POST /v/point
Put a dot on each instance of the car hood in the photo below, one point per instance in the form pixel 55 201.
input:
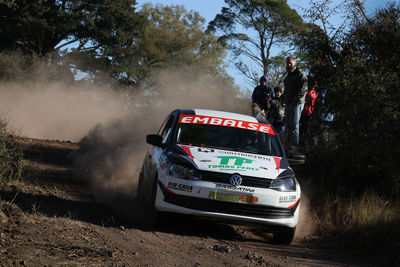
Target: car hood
pixel 225 161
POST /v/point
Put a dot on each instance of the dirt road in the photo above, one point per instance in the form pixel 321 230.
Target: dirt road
pixel 52 219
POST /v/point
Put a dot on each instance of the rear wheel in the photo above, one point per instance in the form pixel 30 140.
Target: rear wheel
pixel 284 235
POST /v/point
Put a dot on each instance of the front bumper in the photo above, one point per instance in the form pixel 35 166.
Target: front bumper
pixel 197 204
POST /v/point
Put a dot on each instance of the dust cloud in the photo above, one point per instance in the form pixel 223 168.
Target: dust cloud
pixel 56 110
pixel 112 153
pixel 111 128
pixel 305 226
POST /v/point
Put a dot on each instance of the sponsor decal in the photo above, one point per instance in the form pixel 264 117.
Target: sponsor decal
pixel 198 191
pixel 180 187
pixel 235 160
pixel 224 187
pixel 245 155
pixel 233 163
pixel 205 160
pixel 284 199
pixel 264 168
pixel 232 197
pixel 232 167
pixel 187 150
pixel 208 120
pixel 277 162
pixel 205 150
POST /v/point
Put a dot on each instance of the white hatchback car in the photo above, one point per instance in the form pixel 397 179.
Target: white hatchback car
pixel 222 165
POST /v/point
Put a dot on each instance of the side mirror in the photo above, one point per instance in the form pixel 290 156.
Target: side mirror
pixel 154 139
pixel 296 158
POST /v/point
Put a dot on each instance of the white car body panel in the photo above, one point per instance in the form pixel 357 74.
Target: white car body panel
pixel 227 162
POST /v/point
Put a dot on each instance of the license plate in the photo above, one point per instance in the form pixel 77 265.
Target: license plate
pixel 232 197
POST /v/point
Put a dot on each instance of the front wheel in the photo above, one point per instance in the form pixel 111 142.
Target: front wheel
pixel 284 235
pixel 140 190
pixel 155 217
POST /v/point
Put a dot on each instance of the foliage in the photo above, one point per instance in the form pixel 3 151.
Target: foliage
pixel 106 51
pixel 173 38
pixel 11 162
pixel 112 44
pixel 16 66
pixel 360 91
pixel 357 125
pixel 45 26
pixel 251 28
pixel 100 31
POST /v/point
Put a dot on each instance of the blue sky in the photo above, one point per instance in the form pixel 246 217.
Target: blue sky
pixel 209 8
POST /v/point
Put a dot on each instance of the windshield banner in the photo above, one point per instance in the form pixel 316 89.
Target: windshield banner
pixel 207 120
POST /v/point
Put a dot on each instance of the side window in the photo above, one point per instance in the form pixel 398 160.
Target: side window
pixel 162 127
pixel 167 129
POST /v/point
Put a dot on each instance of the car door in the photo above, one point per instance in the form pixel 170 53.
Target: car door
pixel 155 157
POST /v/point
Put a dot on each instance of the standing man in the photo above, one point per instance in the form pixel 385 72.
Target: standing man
pixel 293 97
pixel 262 95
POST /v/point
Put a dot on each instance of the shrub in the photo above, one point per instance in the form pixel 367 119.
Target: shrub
pixel 11 161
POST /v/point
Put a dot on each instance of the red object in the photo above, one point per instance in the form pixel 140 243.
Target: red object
pixel 311 98
pixel 291 206
pixel 277 162
pixel 187 150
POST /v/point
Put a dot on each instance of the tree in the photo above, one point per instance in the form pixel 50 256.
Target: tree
pixel 173 38
pixel 46 26
pixel 100 32
pixel 359 81
pixel 271 23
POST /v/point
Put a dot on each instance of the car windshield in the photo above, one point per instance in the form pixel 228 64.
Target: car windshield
pixel 228 138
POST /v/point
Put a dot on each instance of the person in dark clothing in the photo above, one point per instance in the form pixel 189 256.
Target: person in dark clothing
pixel 262 95
pixel 277 113
pixel 293 97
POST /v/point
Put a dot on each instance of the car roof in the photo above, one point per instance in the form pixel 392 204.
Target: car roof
pixel 221 114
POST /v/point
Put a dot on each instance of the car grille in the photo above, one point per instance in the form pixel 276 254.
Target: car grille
pixel 210 205
pixel 225 178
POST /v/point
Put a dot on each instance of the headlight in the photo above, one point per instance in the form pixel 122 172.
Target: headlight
pixel 182 172
pixel 283 184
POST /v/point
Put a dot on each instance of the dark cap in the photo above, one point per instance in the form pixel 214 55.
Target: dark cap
pixel 263 79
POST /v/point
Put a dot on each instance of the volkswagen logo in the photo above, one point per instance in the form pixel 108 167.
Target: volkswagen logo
pixel 236 180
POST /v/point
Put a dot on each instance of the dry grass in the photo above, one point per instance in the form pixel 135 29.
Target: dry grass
pixel 367 209
pixel 11 161
pixel 366 224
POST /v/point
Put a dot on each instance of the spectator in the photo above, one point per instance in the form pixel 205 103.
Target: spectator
pixel 311 98
pixel 262 96
pixel 293 97
pixel 277 112
pixel 257 112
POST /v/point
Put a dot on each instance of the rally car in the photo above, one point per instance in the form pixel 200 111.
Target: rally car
pixel 222 165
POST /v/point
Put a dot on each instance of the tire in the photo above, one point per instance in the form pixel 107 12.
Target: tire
pixel 140 190
pixel 155 216
pixel 284 235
